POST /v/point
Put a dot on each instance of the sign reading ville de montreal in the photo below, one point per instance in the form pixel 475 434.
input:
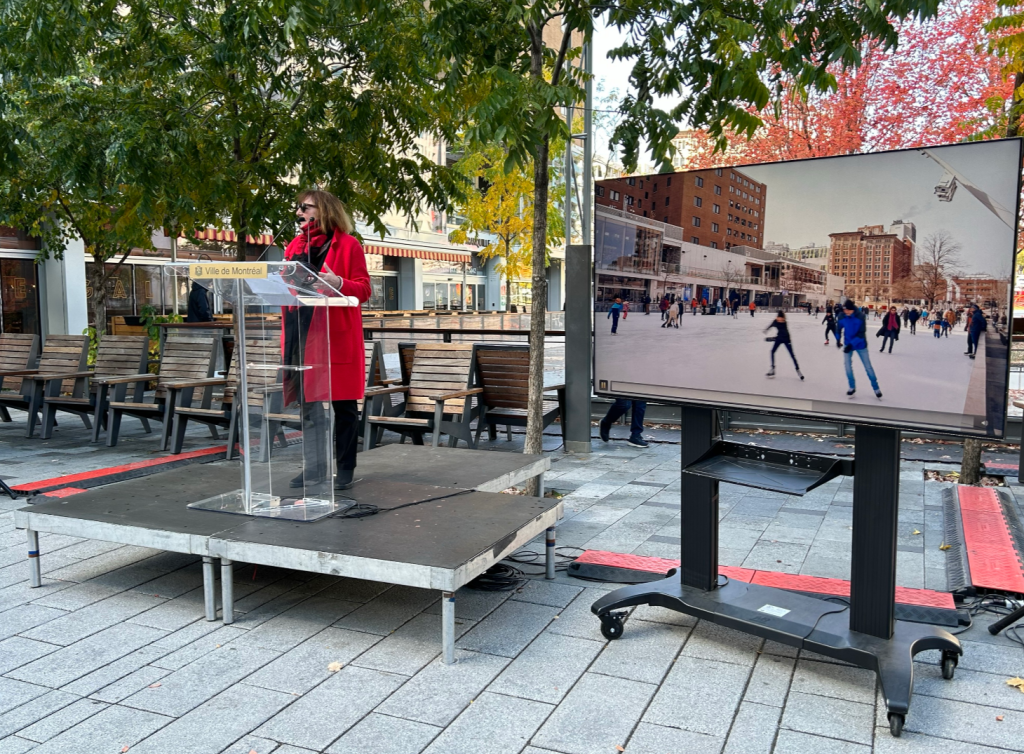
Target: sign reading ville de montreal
pixel 227 270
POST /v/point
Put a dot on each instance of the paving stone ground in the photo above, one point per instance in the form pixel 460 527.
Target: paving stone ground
pixel 113 651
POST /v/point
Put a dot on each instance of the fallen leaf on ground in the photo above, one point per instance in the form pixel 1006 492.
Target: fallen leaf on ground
pixel 1017 683
pixel 155 685
pixel 253 751
pixel 334 667
pixel 915 532
pixel 124 749
pixel 944 546
pixel 618 748
pixel 999 718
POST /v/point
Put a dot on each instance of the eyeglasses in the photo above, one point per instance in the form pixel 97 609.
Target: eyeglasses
pixel 303 207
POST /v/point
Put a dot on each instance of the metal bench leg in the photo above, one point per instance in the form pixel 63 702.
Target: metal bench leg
pixel 549 554
pixel 34 566
pixel 209 588
pixel 448 627
pixel 227 590
pixel 540 484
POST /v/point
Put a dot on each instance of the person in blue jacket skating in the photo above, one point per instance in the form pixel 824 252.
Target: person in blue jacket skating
pixel 854 329
pixel 613 313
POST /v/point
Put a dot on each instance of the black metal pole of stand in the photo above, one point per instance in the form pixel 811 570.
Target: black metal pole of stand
pixel 8 490
pixel 876 488
pixel 1005 621
pixel 699 513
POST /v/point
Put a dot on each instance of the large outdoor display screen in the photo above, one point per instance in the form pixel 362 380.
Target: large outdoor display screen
pixel 873 288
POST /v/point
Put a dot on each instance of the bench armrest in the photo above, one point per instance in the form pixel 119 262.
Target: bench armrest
pixel 458 394
pixel 395 381
pixel 62 376
pixel 133 378
pixel 213 381
pixel 19 373
pixel 550 388
pixel 375 391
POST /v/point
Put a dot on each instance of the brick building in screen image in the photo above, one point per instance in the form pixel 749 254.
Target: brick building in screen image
pixel 872 259
pixel 718 208
pixel 988 292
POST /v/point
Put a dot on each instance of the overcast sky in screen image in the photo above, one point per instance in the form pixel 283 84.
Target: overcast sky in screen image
pixel 808 200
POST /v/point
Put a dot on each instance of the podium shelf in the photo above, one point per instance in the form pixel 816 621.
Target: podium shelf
pixel 791 473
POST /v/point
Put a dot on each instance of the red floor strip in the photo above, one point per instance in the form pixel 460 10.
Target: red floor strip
pixel 792 582
pixel 64 492
pixel 993 560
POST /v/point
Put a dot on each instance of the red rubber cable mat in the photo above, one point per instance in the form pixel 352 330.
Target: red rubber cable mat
pixel 789 581
pixel 991 555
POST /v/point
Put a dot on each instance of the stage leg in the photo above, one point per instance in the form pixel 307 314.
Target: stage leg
pixel 34 566
pixel 209 586
pixel 549 554
pixel 448 627
pixel 227 590
pixel 540 484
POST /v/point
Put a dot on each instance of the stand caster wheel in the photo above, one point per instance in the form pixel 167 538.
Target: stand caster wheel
pixel 949 662
pixel 896 721
pixel 611 626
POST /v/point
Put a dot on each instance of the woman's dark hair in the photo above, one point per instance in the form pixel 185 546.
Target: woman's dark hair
pixel 781 314
pixel 333 215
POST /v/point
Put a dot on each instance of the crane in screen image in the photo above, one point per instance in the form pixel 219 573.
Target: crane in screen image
pixel 946 188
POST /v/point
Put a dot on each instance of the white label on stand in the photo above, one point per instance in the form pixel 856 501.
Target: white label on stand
pixel 778 612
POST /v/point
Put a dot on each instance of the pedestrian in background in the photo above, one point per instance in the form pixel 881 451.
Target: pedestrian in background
pixel 663 306
pixel 854 328
pixel 753 307
pixel 625 310
pixel 890 329
pixel 914 316
pixel 647 304
pixel 636 425
pixel 781 339
pixel 830 324
pixel 613 313
pixel 977 324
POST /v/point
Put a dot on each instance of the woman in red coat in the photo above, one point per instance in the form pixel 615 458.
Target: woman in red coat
pixel 326 246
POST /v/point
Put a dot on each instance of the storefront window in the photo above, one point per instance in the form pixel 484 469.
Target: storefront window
pixel 429 302
pixel 456 297
pixel 120 291
pixel 19 296
pixel 378 262
pixel 376 302
pixel 442 296
pixel 149 287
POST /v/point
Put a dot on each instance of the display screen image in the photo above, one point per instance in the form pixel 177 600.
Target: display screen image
pixel 875 288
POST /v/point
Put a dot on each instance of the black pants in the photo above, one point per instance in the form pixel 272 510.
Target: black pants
pixel 346 433
pixel 788 348
pixel 891 340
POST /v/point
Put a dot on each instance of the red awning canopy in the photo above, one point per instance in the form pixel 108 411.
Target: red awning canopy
pixel 397 251
pixel 229 236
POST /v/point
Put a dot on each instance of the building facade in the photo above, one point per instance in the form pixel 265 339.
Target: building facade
pixel 872 259
pixel 718 208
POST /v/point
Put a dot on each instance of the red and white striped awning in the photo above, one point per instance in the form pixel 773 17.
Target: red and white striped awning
pixel 452 255
pixel 229 236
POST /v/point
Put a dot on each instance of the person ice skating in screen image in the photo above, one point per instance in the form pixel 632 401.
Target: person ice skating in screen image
pixel 949 319
pixel 854 329
pixel 976 325
pixel 830 323
pixel 636 425
pixel 752 307
pixel 913 317
pixel 646 301
pixel 693 305
pixel 781 339
pixel 890 329
pixel 613 313
pixel 663 306
pixel 936 324
pixel 672 315
pixel 625 310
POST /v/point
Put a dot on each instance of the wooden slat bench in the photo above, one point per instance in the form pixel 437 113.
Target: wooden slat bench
pixel 62 354
pixel 18 352
pixel 503 372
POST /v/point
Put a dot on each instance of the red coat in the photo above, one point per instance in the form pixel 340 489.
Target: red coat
pixel 345 259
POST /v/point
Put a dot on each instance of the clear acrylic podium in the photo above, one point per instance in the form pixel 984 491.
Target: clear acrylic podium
pixel 280 378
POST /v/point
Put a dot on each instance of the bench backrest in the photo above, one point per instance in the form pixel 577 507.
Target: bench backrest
pixel 262 351
pixel 375 371
pixel 439 368
pixel 503 371
pixel 185 358
pixel 63 354
pixel 122 355
pixel 406 351
pixel 18 351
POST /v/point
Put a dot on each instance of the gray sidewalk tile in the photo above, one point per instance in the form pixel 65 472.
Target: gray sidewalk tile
pixel 577 620
pixel 215 724
pixel 753 730
pixel 644 653
pixel 21 619
pixel 110 730
pixel 509 629
pixel 918 743
pixel 390 610
pixel 18 650
pixel 967 686
pixel 118 669
pixel 713 642
pixel 288 749
pixel 407 650
pixel 62 719
pixel 34 710
pixel 836 681
pixel 659 739
pixel 545 593
pixel 81 658
pixel 492 724
pixel 124 687
pixel 547 669
pixel 16 745
pixel 597 715
pixel 194 631
pixel 72 596
pixel 326 712
pixel 300 669
pixel 291 628
pixel 189 687
pixel 769 683
pixel 175 583
pixel 249 744
pixel 354 590
pixel 793 742
pixel 95 617
pixel 471 604
pixel 972 723
pixel 107 564
pixel 382 734
pixel 990 658
pixel 830 717
pixel 438 693
pixel 207 643
pixel 779 556
pixel 699 695
pixel 662 615
pixel 173 614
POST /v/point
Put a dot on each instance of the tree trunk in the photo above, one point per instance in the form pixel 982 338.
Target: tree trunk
pixel 99 297
pixel 1014 116
pixel 508 287
pixel 538 308
pixel 240 246
pixel 970 467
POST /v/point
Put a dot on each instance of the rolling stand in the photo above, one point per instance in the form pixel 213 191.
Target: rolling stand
pixel 865 633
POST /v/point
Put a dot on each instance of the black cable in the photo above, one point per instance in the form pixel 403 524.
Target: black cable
pixel 498 578
pixel 530 557
pixel 362 510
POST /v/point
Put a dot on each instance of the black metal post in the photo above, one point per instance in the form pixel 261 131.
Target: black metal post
pixel 578 344
pixel 876 489
pixel 699 502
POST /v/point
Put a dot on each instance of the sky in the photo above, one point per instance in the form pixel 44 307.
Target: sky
pixel 807 200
